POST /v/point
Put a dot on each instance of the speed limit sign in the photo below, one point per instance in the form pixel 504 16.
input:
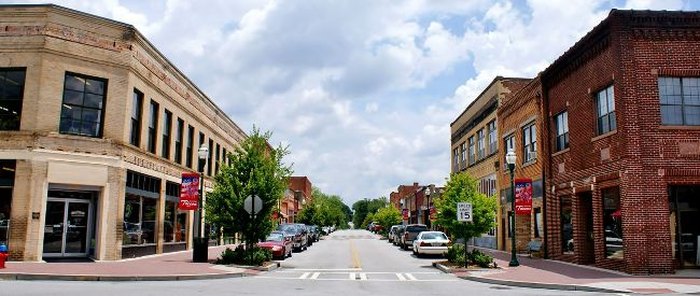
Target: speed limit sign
pixel 464 212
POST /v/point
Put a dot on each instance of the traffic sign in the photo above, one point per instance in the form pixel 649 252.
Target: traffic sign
pixel 252 202
pixel 464 212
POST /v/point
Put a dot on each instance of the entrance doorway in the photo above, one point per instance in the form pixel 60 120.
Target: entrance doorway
pixel 684 203
pixel 585 219
pixel 68 228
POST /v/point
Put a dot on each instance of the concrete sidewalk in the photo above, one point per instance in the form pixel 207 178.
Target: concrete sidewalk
pixel 552 274
pixel 163 267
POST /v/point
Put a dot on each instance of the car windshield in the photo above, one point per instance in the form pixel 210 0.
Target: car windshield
pixel 416 228
pixel 275 237
pixel 434 235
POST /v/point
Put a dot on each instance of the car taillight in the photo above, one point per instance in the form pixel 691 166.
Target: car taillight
pixel 424 244
pixel 405 235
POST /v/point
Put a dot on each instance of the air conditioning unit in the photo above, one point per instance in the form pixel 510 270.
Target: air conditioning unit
pixel 532 155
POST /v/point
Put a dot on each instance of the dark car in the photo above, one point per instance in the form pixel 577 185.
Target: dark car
pixel 298 233
pixel 279 244
pixel 410 234
pixel 314 233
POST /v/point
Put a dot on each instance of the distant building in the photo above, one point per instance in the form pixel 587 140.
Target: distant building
pixel 297 195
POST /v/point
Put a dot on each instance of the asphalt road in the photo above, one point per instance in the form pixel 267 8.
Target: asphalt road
pixel 349 262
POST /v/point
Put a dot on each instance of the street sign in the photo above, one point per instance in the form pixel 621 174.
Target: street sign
pixel 250 201
pixel 464 212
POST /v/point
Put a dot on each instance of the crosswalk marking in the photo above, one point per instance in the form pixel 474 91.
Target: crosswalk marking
pixel 315 276
pixel 351 276
pixel 401 277
pixel 411 277
pixel 371 276
pixel 304 275
pixel 363 276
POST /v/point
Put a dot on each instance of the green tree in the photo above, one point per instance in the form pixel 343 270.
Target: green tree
pixel 463 188
pixel 324 210
pixel 387 217
pixel 256 169
pixel 368 219
pixel 365 207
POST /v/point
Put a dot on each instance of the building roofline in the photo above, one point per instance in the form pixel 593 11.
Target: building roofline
pixel 495 79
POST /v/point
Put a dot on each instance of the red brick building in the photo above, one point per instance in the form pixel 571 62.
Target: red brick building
pixel 623 180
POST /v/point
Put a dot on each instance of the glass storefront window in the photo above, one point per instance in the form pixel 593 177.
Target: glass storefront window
pixel 612 223
pixel 567 227
pixel 132 220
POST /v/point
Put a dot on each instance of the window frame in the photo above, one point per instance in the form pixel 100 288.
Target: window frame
pixel 471 156
pixel 65 105
pixel 683 96
pixel 153 112
pixel 188 147
pixel 493 137
pixel 480 144
pixel 19 100
pixel 167 132
pixel 136 123
pixel 529 140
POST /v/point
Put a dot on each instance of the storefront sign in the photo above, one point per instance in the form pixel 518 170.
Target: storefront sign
pixel 523 196
pixel 189 192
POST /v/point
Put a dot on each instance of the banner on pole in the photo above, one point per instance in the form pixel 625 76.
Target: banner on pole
pixel 523 196
pixel 405 214
pixel 189 192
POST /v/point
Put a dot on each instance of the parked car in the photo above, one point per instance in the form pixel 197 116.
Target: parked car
pixel 430 243
pixel 298 233
pixel 412 230
pixel 279 244
pixel 391 236
pixel 314 233
pixel 399 235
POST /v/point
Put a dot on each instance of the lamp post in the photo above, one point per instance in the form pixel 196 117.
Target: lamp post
pixel 200 252
pixel 510 160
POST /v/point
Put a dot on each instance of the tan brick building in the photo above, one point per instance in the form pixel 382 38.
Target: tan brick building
pixel 520 125
pixel 475 140
pixel 96 127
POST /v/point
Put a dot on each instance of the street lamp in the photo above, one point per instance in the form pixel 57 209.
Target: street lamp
pixel 427 216
pixel 200 252
pixel 510 160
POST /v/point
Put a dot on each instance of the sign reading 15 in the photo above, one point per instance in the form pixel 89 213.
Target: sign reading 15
pixel 464 212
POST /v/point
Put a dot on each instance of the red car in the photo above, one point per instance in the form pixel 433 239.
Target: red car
pixel 278 244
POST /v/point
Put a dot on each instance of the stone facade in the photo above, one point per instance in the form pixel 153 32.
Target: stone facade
pixel 50 42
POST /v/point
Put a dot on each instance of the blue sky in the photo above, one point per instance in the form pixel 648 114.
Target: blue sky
pixel 362 91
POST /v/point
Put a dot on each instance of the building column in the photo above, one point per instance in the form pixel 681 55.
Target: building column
pixel 29 196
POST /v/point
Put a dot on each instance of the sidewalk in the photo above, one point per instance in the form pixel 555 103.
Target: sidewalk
pixel 552 274
pixel 163 267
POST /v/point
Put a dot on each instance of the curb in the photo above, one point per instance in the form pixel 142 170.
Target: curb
pixel 116 278
pixel 550 286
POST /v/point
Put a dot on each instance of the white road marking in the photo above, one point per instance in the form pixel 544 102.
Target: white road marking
pixel 411 277
pixel 400 276
pixel 317 269
pixel 363 276
pixel 351 276
pixel 304 276
pixel 315 276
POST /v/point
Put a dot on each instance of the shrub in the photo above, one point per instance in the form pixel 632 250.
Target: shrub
pixel 480 259
pixel 255 256
pixel 455 255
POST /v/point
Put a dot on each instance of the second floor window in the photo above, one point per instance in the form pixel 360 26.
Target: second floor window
pixel 188 150
pixel 464 154
pixel 179 134
pixel 455 159
pixel 152 126
pixel 472 150
pixel 508 144
pixel 562 122
pixel 82 110
pixel 529 143
pixel 680 100
pixel 136 115
pixel 481 144
pixel 493 137
pixel 167 125
pixel 11 96
pixel 605 103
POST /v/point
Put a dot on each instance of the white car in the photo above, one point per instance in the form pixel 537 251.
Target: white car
pixel 431 243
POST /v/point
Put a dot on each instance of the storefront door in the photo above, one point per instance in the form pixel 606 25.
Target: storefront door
pixel 67 228
pixel 685 225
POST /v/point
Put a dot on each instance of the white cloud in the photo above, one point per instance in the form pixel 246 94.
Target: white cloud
pixel 350 84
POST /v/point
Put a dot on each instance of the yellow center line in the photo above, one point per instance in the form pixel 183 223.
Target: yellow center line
pixel 355 255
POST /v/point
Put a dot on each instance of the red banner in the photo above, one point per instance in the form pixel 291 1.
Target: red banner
pixel 189 192
pixel 523 196
pixel 433 214
pixel 405 214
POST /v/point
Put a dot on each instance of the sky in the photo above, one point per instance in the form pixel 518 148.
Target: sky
pixel 362 91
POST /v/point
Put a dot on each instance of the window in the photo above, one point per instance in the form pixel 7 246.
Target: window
pixel 217 158
pixel 211 157
pixel 680 100
pixel 136 115
pixel 612 223
pixel 83 105
pixel 455 159
pixel 11 96
pixel 567 226
pixel 493 137
pixel 167 125
pixel 509 144
pixel 605 101
pixel 529 143
pixel 481 144
pixel 200 162
pixel 140 209
pixel 174 219
pixel 223 156
pixel 464 154
pixel 562 121
pixel 472 151
pixel 179 131
pixel 188 150
pixel 152 126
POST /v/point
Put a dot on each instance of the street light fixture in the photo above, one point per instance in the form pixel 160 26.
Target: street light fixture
pixel 510 160
pixel 200 252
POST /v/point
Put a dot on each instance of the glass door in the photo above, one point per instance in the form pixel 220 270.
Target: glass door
pixel 67 227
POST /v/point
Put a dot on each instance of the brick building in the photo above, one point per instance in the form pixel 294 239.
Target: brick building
pixel 474 141
pixel 96 127
pixel 624 140
pixel 405 198
pixel 297 195
pixel 520 123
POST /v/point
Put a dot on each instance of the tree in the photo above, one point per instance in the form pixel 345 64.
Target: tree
pixel 387 217
pixel 365 207
pixel 463 188
pixel 256 169
pixel 324 210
